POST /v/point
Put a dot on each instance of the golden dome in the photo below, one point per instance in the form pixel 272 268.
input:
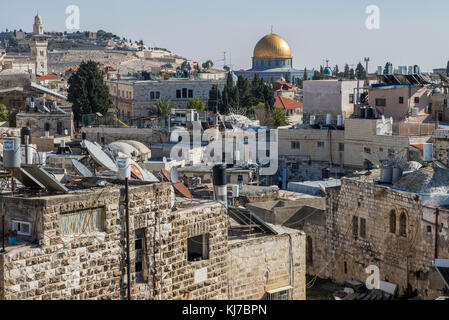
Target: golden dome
pixel 272 46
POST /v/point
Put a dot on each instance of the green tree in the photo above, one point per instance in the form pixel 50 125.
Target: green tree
pixel 360 71
pixel 12 117
pixel 196 104
pixel 214 98
pixel 351 74
pixel 208 64
pixel 4 113
pixel 161 109
pixel 336 70
pixel 279 117
pixel 87 91
pixel 231 98
pixel 244 88
pixel 346 71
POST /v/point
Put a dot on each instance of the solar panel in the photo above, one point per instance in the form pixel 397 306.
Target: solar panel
pixel 246 217
pixel 45 178
pixel 442 266
pixel 81 169
pixel 99 156
pixel 26 179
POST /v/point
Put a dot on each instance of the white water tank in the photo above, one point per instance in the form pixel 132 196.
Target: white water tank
pixel 312 120
pixel 340 120
pixel 124 167
pixel 11 153
pixel 428 151
pixel 329 118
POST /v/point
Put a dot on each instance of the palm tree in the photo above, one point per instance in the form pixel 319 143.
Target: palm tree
pixel 279 117
pixel 161 109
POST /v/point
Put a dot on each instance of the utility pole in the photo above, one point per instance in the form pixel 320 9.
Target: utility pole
pixel 128 264
pixel 366 72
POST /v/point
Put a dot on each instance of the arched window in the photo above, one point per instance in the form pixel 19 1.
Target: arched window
pixel 393 221
pixel 309 249
pixel 403 225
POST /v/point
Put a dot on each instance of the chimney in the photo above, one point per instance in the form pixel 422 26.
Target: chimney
pixel 119 76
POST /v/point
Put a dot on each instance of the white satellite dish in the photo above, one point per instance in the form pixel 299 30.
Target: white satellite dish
pixel 164 160
pixel 174 175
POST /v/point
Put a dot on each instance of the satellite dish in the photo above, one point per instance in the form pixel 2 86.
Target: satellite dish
pixel 164 160
pixel 99 156
pixel 81 169
pixel 174 175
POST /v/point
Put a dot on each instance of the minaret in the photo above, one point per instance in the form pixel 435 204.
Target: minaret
pixel 38 27
pixel 38 46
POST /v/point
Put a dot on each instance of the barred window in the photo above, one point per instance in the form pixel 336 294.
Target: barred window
pixel 362 228
pixel 82 221
pixel 355 226
pixel 393 221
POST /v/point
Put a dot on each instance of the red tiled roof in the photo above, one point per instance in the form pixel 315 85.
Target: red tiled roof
pixel 49 77
pixel 73 69
pixel 286 103
pixel 284 83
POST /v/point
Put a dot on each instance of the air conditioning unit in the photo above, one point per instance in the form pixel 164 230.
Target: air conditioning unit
pixel 283 293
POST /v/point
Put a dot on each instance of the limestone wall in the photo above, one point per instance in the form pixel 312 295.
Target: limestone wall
pixel 258 265
pixel 92 266
pixel 400 259
pixel 147 136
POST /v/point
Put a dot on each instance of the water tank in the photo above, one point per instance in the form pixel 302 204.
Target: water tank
pixel 312 120
pixel 25 131
pixel 329 119
pixel 124 167
pixel 386 174
pixel 11 153
pixel 397 174
pixel 369 113
pixel 325 173
pixel 339 120
pixel 428 152
pixel 361 113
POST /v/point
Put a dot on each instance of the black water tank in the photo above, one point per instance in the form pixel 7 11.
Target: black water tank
pixel 325 173
pixel 361 113
pixel 47 126
pixel 369 113
pixel 219 175
pixel 25 131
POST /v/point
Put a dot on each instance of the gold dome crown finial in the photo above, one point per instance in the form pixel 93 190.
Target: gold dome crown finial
pixel 272 29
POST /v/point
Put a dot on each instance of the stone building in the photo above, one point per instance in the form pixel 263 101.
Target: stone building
pixel 440 140
pixel 399 101
pixel 134 98
pixel 72 246
pixel 438 104
pixel 322 97
pixel 306 150
pixel 61 124
pixel 389 226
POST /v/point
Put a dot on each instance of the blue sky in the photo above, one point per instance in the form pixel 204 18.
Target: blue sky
pixel 411 31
